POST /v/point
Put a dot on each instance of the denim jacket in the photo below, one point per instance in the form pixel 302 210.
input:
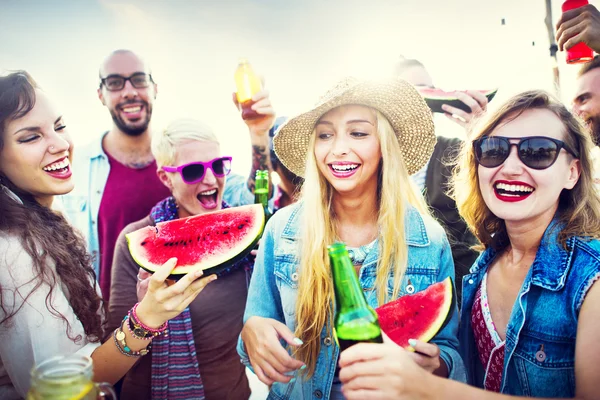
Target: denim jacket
pixel 539 358
pixel 90 173
pixel 273 291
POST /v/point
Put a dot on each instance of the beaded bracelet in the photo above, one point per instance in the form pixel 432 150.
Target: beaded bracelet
pixel 143 330
pixel 119 337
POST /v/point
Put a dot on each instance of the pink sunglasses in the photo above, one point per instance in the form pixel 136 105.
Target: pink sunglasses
pixel 194 172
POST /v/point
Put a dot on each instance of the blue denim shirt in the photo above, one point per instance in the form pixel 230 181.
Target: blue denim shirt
pixel 90 173
pixel 273 291
pixel 539 359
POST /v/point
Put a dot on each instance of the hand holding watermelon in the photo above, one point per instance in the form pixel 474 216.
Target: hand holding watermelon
pixel 163 302
pixel 476 104
pixel 427 355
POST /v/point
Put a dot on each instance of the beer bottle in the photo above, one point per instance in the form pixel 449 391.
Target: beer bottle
pixel 261 191
pixel 247 84
pixel 354 321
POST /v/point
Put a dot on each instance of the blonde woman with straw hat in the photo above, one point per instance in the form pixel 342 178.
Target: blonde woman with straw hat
pixel 355 150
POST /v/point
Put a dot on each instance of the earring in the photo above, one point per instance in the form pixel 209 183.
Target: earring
pixel 11 195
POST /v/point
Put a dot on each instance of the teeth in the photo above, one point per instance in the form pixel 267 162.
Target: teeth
pixel 132 109
pixel 344 167
pixel 514 188
pixel 208 192
pixel 59 165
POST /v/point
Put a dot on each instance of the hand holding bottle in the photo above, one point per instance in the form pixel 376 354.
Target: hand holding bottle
pixel 265 113
pixel 270 361
pixel 579 25
pixel 163 302
pixel 383 371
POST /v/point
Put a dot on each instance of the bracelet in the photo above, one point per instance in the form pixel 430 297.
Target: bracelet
pixel 135 332
pixel 144 330
pixel 119 337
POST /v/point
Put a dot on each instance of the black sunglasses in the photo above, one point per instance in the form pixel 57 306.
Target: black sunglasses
pixel 139 80
pixel 536 152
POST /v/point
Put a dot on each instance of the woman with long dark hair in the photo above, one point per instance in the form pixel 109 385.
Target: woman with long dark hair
pixel 49 303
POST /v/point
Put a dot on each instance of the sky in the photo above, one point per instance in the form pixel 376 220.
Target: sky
pixel 300 47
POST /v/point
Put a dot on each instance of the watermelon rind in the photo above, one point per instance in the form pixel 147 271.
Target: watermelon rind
pixel 214 264
pixel 388 319
pixel 435 98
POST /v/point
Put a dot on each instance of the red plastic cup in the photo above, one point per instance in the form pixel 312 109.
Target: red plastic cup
pixel 580 53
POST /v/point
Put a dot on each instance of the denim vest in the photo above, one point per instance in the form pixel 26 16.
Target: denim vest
pixel 274 284
pixel 539 358
pixel 90 173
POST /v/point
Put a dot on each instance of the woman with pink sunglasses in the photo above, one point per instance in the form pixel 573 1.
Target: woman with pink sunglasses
pixel 198 360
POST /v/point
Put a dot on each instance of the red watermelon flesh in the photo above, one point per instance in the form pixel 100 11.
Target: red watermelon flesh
pixel 418 316
pixel 210 242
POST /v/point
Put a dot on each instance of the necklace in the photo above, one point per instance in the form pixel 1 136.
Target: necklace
pixel 359 254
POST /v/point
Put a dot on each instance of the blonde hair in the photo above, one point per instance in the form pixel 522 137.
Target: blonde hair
pixel 314 306
pixel 178 132
pixel 579 208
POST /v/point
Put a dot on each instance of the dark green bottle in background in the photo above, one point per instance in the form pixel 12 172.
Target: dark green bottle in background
pixel 261 191
pixel 354 321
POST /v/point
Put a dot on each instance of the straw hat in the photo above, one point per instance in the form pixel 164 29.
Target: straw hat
pixel 396 99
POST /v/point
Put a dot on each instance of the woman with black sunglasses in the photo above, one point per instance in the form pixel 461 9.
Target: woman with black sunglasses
pixel 198 360
pixel 529 321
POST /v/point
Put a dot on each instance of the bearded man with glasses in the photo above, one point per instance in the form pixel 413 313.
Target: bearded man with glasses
pixel 116 180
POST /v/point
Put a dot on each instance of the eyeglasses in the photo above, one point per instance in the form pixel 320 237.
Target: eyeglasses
pixel 536 152
pixel 139 80
pixel 194 172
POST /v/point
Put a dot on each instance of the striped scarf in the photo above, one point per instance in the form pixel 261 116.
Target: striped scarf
pixel 175 373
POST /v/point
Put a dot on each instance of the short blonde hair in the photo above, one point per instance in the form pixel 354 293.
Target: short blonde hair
pixel 177 132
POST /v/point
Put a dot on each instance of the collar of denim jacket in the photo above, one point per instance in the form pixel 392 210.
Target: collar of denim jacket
pixel 552 262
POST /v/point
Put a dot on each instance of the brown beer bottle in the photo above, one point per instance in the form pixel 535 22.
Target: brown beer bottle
pixel 247 84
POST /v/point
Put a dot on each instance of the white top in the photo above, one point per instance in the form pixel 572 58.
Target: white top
pixel 33 334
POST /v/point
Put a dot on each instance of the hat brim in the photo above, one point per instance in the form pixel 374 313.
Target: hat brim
pixel 397 100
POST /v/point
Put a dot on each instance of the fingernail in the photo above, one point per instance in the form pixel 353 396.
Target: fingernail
pixel 303 367
pixel 292 380
pixel 298 341
pixel 412 342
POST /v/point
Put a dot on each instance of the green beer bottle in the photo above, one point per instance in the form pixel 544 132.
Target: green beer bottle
pixel 261 191
pixel 354 321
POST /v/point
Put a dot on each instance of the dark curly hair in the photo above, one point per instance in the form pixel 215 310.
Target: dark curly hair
pixel 37 227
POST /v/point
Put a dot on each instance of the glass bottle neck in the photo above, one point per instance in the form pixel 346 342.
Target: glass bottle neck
pixel 348 292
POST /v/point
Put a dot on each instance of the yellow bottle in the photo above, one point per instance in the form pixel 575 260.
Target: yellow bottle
pixel 247 84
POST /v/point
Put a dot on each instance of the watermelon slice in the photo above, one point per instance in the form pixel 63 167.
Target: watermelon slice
pixel 211 242
pixel 436 97
pixel 418 316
